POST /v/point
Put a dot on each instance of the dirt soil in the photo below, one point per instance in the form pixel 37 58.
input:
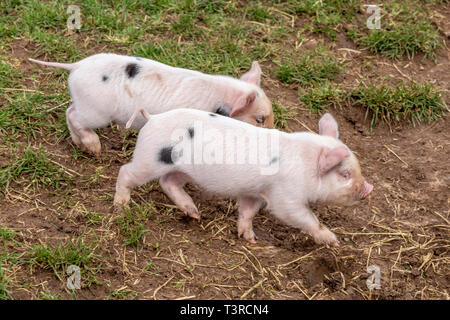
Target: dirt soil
pixel 403 227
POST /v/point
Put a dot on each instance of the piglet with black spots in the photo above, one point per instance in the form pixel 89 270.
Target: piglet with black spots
pixel 257 166
pixel 108 88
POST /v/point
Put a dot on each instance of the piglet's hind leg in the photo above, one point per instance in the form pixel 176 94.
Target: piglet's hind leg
pixel 172 184
pixel 73 132
pixel 83 137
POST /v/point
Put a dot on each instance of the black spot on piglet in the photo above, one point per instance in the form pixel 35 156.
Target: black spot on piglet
pixel 104 78
pixel 132 69
pixel 212 115
pixel 223 109
pixel 165 155
pixel 274 159
pixel 191 132
pixel 168 155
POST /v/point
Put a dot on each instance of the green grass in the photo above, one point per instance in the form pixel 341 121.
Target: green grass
pixel 327 16
pixel 7 234
pixel 122 294
pixel 9 77
pixel 59 257
pixel 312 67
pixel 32 167
pixel 47 295
pixel 258 12
pixel 94 218
pixel 281 114
pixel 131 223
pixel 406 30
pixel 417 102
pixel 152 268
pixel 224 55
pixel 4 293
pixel 321 97
pixel 28 113
pixel 406 39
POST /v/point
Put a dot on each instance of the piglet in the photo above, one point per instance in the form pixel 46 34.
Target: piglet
pixel 258 166
pixel 107 87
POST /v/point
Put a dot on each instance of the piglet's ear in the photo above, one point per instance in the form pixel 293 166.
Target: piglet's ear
pixel 329 158
pixel 243 103
pixel 328 126
pixel 253 75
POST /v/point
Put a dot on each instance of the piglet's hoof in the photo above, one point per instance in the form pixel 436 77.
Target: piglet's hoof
pixel 96 153
pixel 192 212
pixel 327 237
pixel 120 205
pixel 93 151
pixel 335 244
pixel 248 235
pixel 119 208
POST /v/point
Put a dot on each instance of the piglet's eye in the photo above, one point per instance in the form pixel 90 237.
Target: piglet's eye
pixel 345 174
pixel 261 120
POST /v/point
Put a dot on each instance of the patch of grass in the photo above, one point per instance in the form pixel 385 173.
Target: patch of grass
pixel 58 125
pixel 227 54
pixel 7 234
pixel 131 223
pixel 406 29
pixel 11 257
pixel 327 15
pixel 28 113
pixel 47 295
pixel 7 27
pixel 258 12
pixel 312 67
pixel 152 268
pixel 94 179
pixel 185 25
pixel 416 102
pixel 58 46
pixel 9 77
pixel 59 257
pixel 406 39
pixel 35 168
pixel 94 218
pixel 4 293
pixel 129 142
pixel 319 98
pixel 122 294
pixel 282 114
pixel 39 15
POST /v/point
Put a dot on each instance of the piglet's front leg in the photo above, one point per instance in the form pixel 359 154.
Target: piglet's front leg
pixel 308 222
pixel 248 208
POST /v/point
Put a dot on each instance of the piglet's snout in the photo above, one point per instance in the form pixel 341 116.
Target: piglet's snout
pixel 367 190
